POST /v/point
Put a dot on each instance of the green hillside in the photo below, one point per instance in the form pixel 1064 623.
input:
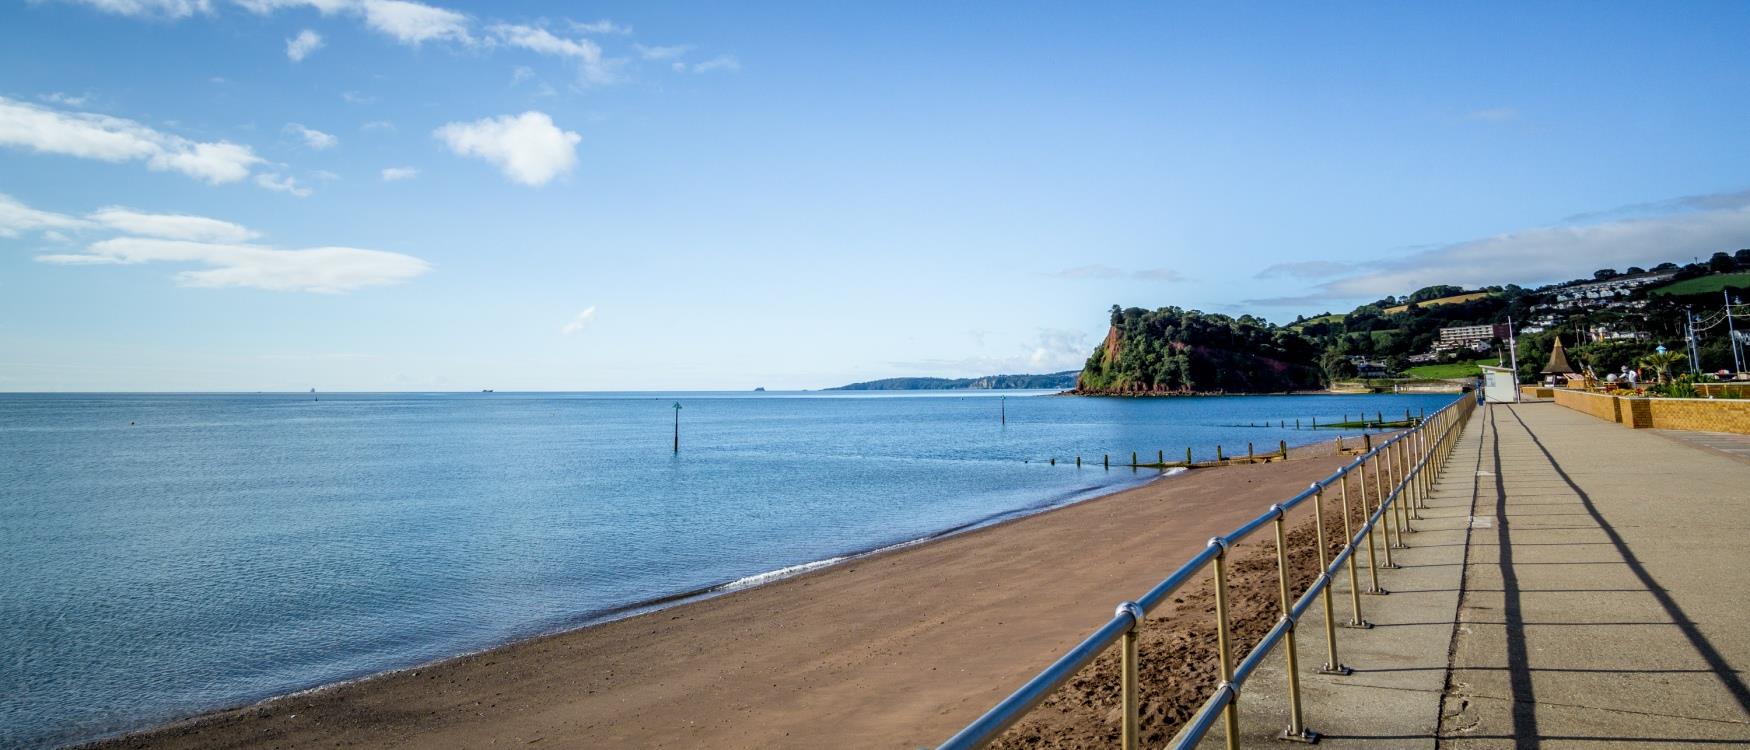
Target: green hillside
pixel 1707 284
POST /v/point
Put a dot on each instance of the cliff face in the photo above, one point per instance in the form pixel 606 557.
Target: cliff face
pixel 1171 350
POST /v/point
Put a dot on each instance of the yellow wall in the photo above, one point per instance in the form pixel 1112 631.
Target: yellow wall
pixel 1701 414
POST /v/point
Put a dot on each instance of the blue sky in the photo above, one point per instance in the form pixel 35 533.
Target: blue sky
pixel 388 195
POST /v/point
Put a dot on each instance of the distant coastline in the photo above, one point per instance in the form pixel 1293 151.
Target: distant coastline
pixel 1053 381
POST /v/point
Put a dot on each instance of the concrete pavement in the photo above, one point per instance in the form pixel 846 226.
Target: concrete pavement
pixel 1571 584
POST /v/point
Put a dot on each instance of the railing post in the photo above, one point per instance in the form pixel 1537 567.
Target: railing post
pixel 1379 507
pixel 1132 688
pixel 1332 666
pixel 1372 560
pixel 1402 487
pixel 1296 730
pixel 1356 620
pixel 1231 713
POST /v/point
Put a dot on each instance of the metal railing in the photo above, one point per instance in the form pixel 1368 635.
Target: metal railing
pixel 1409 462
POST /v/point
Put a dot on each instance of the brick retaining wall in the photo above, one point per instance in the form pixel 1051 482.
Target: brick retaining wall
pixel 1701 414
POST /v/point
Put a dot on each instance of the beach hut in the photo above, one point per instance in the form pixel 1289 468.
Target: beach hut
pixel 1557 372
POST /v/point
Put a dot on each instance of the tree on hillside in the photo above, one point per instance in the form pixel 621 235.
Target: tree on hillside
pixel 1632 270
pixel 1743 257
pixel 1666 266
pixel 1603 274
pixel 1336 366
pixel 1721 263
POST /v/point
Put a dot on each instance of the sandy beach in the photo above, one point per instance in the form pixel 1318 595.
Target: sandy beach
pixel 898 649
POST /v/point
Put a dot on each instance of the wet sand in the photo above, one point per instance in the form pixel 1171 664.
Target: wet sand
pixel 899 649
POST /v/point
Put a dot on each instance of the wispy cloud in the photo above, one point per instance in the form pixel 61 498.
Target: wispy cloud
pixel 662 53
pixel 324 269
pixel 160 9
pixel 378 126
pixel 1306 269
pixel 593 67
pixel 171 226
pixel 528 148
pixel 1097 271
pixel 282 184
pixel 578 322
pixel 720 62
pixel 221 245
pixel 396 174
pixel 1691 226
pixel 66 100
pixel 354 97
pixel 315 139
pixel 114 139
pixel 17 218
pixel 300 46
pixel 604 26
pixel 1050 350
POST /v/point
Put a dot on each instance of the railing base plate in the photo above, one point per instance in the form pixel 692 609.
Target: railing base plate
pixel 1339 670
pixel 1362 625
pixel 1306 736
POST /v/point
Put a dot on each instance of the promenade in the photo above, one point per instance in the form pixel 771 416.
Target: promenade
pixel 1572 584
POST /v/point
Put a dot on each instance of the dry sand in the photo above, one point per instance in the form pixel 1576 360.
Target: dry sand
pixel 895 650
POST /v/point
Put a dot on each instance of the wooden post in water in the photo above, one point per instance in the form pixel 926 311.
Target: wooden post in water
pixel 1054 460
pixel 1378 418
pixel 1003 408
pixel 1218 453
pixel 1161 456
pixel 1078 462
pixel 1105 460
pixel 1366 442
pixel 677 426
pixel 1297 423
pixel 1248 452
pixel 1133 459
pixel 1187 455
pixel 1315 423
pixel 1284 449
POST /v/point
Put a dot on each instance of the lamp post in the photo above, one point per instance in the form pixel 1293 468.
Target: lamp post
pixel 677 426
pixel 1732 334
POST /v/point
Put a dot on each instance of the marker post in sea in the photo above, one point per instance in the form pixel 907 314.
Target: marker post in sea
pixel 677 426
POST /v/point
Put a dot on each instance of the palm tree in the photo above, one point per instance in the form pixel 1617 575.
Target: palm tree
pixel 1662 362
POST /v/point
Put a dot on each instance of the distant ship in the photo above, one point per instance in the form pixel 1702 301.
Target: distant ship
pixel 485 390
pixel 760 389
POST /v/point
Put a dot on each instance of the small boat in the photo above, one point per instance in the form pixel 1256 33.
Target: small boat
pixel 485 390
pixel 761 389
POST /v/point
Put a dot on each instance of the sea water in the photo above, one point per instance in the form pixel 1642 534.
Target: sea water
pixel 161 555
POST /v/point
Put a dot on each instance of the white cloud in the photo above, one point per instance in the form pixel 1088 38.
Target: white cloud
pixel 113 139
pixel 1050 350
pixel 354 97
pixel 321 269
pixel 416 23
pixel 315 139
pixel 395 174
pixel 661 53
pixel 378 125
pixel 171 226
pixel 593 67
pixel 285 184
pixel 300 46
pixel 171 9
pixel 603 26
pixel 324 174
pixel 528 147
pixel 17 218
pixel 720 62
pixel 578 323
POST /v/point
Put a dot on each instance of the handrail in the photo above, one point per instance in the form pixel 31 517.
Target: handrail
pixel 1426 446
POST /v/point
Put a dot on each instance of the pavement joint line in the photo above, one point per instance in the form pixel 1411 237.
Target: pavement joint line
pixel 1612 709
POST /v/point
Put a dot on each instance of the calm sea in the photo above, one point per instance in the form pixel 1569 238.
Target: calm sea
pixel 161 555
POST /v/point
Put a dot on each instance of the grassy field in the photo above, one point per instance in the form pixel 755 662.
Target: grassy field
pixel 1441 301
pixel 1707 284
pixel 1333 318
pixel 1454 370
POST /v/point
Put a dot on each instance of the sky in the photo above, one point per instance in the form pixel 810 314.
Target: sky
pixel 244 195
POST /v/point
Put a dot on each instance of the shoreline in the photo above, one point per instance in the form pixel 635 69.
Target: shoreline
pixel 665 602
pixel 359 709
